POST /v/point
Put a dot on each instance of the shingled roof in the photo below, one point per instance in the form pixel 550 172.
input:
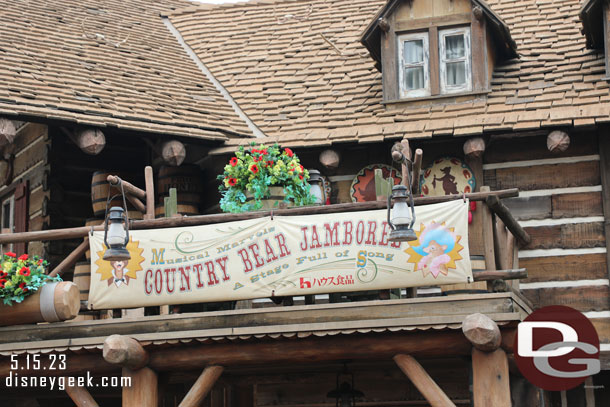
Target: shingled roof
pixel 299 71
pixel 107 63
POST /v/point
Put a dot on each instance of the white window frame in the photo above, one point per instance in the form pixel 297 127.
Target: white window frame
pixel 466 87
pixel 425 91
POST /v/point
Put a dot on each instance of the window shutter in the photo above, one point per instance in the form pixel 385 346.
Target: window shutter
pixel 21 214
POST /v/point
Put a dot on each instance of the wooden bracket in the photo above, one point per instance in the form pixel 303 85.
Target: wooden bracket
pixel 80 396
pixel 422 380
pixel 202 386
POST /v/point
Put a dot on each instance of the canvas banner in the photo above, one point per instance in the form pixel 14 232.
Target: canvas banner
pixel 282 256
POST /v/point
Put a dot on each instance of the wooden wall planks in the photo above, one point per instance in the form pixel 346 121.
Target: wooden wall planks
pixel 565 268
pixel 567 236
pixel 587 298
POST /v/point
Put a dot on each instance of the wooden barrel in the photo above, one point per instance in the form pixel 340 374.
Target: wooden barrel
pixel 189 188
pixel 99 192
pixel 53 302
pixel 82 278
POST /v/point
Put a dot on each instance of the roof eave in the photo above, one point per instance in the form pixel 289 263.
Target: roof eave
pixel 592 23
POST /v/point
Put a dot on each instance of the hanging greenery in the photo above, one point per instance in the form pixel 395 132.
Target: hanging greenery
pixel 254 170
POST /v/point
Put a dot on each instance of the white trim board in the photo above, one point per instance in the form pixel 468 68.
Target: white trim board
pixel 604 347
pixel 560 221
pixel 545 161
pixel 597 314
pixel 525 254
pixel 564 284
pixel 557 191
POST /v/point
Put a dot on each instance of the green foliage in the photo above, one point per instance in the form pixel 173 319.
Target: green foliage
pixel 254 170
pixel 22 276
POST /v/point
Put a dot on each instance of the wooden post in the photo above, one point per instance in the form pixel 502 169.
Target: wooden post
pixel 424 383
pixel 494 204
pixel 72 258
pixel 488 236
pixel 150 193
pixel 202 386
pixel 490 379
pixel 80 396
pixel 604 163
pixel 173 152
pixel 417 160
pixel 143 391
pixel 482 332
pixel 125 351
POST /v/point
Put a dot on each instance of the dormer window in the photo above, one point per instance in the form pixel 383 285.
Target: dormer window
pixel 437 49
pixel 414 73
pixel 455 72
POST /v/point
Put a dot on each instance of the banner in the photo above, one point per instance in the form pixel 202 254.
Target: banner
pixel 282 256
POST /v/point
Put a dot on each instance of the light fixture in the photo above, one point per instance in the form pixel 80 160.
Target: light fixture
pixel 317 186
pixel 345 394
pixel 401 216
pixel 116 235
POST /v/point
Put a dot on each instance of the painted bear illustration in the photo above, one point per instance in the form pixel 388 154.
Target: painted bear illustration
pixel 436 241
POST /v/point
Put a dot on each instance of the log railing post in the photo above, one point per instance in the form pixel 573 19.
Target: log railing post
pixel 488 238
pixel 422 380
pixel 202 386
pixel 150 193
pixel 80 396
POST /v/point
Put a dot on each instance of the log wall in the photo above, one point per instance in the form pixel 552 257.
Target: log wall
pixel 561 207
pixel 31 164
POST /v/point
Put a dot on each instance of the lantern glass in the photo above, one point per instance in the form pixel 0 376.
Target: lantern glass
pixel 316 191
pixel 316 186
pixel 116 234
pixel 401 213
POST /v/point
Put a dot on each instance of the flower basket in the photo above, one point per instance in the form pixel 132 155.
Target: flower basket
pixel 22 276
pixel 264 178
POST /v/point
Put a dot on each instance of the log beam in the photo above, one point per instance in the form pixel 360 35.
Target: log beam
pixel 422 380
pixel 489 275
pixel 143 391
pixel 80 396
pixel 482 332
pixel 82 231
pixel 202 386
pixel 127 186
pixel 8 131
pixel 494 203
pixel 474 147
pixel 558 141
pixel 125 351
pixel 173 152
pixel 330 159
pixel 490 379
pixel 72 258
pixel 417 160
pixel 91 141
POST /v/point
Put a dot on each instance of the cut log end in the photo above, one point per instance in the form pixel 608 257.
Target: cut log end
pixel 482 332
pixel 125 351
pixel 558 141
pixel 8 131
pixel 67 301
pixel 173 152
pixel 90 141
pixel 474 147
pixel 330 159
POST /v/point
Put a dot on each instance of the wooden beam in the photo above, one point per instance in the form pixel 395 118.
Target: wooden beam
pixel 511 223
pixel 125 351
pixel 71 259
pixel 417 160
pixel 80 396
pixel 474 147
pixel 488 237
pixel 127 186
pixel 482 332
pixel 8 132
pixel 604 162
pixel 489 275
pixel 490 379
pixel 422 380
pixel 91 141
pixel 150 193
pixel 202 386
pixel 330 159
pixel 143 391
pixel 558 141
pixel 78 232
pixel 136 203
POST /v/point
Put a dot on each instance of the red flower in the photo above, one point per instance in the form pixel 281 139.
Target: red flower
pixel 233 161
pixel 270 164
pixel 257 159
pixel 40 261
pixel 300 177
pixel 232 182
pixel 10 254
pixel 288 152
pixel 23 257
pixel 301 167
pixel 25 271
pixel 254 168
pixel 2 281
pixel 3 274
pixel 22 286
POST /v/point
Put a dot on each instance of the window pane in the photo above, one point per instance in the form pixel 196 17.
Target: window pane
pixel 454 46
pixel 413 51
pixel 414 78
pixel 456 73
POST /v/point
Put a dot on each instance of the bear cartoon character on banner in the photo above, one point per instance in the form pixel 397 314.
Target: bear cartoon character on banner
pixel 436 250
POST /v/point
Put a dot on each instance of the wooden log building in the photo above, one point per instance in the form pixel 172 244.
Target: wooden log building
pixel 515 89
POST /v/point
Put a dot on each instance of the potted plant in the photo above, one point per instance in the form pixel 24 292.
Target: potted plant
pixel 22 276
pixel 263 178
